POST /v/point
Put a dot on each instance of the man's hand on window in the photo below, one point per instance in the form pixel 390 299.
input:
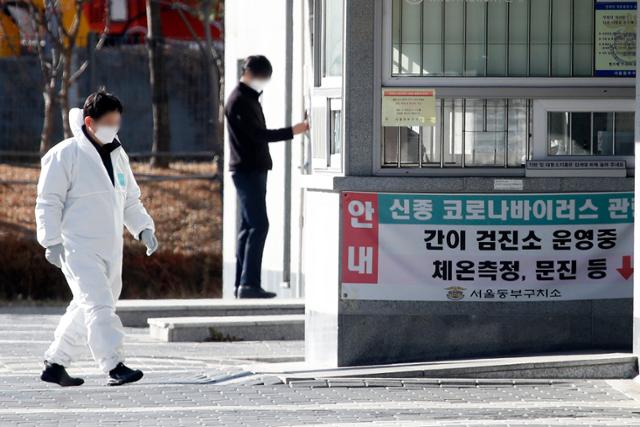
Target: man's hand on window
pixel 301 127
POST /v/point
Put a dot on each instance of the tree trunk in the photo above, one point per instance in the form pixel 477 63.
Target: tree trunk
pixel 63 94
pixel 218 128
pixel 214 77
pixel 48 96
pixel 160 98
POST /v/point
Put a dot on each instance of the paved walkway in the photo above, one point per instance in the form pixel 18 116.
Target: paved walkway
pixel 177 391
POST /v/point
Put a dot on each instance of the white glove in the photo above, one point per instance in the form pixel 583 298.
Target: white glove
pixel 149 240
pixel 55 255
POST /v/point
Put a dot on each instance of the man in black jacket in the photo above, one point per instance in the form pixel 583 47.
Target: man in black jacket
pixel 249 162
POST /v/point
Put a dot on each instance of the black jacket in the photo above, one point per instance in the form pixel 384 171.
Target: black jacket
pixel 248 134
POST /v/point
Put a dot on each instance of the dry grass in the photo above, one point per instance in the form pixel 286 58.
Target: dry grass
pixel 188 217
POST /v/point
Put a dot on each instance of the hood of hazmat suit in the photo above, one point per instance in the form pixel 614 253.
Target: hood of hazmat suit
pixel 79 207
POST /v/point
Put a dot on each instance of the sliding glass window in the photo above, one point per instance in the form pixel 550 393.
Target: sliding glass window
pixel 332 12
pixel 469 133
pixel 492 38
pixel 590 133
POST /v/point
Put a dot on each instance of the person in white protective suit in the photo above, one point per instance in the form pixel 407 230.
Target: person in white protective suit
pixel 86 196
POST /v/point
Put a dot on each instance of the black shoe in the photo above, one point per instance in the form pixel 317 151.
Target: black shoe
pixel 122 375
pixel 54 373
pixel 253 292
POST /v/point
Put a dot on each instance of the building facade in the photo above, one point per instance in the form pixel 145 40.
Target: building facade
pixel 466 187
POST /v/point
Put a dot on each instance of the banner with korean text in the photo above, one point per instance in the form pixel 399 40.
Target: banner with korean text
pixel 487 247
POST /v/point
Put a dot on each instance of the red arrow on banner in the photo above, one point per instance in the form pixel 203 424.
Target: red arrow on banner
pixel 627 269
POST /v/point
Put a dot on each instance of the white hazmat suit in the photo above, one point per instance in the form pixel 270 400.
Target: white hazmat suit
pixel 79 207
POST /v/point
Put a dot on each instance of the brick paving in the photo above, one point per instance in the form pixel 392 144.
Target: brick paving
pixel 177 390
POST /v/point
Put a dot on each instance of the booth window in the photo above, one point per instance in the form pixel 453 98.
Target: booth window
pixel 590 133
pixel 326 100
pixel 335 133
pixel 469 133
pixel 327 134
pixel 543 38
pixel 332 14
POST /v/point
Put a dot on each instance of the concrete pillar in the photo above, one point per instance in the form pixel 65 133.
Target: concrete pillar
pixel 636 231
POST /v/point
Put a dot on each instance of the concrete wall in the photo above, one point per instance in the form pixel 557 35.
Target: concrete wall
pixel 322 261
pixel 636 230
pixel 374 332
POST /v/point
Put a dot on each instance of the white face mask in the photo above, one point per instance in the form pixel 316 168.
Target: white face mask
pixel 107 134
pixel 258 84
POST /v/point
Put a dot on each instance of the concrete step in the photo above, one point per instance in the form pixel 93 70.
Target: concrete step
pixel 592 365
pixel 228 328
pixel 533 370
pixel 135 312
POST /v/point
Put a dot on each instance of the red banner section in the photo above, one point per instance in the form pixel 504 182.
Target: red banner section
pixel 359 238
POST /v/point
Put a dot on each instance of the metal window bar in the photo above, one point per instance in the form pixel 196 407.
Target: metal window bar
pixel 442 133
pixel 528 41
pixel 506 135
pixel 550 50
pixel 464 38
pixel 486 38
pixel 528 131
pixel 464 130
pixel 420 142
pixel 508 40
pixel 422 39
pixel 434 143
pixel 399 137
pixel 484 115
pixel 591 133
pixel 593 34
pixel 400 44
pixel 613 138
pixel 569 122
pixel 442 38
pixel 572 39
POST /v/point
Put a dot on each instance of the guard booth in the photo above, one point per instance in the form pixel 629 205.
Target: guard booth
pixel 467 186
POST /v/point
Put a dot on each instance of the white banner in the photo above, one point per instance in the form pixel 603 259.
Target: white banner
pixel 487 247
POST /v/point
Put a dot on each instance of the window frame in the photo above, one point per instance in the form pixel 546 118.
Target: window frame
pixel 325 93
pixel 440 109
pixel 532 88
pixel 322 80
pixel 388 79
pixel 541 108
pixel 335 160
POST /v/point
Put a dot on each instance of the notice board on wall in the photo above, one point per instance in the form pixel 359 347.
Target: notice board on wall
pixel 615 38
pixel 408 107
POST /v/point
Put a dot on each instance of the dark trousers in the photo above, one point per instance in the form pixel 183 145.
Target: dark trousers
pixel 251 187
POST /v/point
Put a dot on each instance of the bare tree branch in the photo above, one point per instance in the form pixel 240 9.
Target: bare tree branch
pixel 99 44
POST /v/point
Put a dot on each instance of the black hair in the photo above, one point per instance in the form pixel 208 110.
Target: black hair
pixel 100 103
pixel 258 65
